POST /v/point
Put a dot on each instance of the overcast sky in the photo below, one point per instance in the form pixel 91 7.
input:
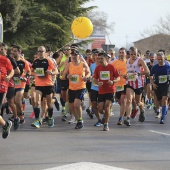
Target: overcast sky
pixel 131 17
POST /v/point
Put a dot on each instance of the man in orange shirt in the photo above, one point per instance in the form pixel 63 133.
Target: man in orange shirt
pixel 77 73
pixel 43 69
pixel 120 65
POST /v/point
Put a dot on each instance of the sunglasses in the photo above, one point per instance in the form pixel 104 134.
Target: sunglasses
pixel 100 58
pixel 74 52
pixel 40 51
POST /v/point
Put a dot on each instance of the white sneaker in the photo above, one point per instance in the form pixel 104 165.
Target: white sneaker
pixel 72 120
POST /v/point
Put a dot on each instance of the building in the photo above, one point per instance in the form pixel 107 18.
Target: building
pixel 154 43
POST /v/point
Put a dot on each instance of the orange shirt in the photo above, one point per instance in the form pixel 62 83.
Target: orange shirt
pixel 122 70
pixel 77 72
pixel 40 67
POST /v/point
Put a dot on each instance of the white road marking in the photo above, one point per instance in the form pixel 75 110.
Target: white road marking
pixel 159 132
pixel 85 166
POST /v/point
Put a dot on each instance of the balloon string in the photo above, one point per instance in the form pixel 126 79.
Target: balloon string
pixel 65 45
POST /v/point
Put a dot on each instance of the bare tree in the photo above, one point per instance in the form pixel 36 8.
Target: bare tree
pixel 162 27
pixel 100 20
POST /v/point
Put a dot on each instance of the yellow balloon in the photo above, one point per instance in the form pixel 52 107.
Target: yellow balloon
pixel 82 27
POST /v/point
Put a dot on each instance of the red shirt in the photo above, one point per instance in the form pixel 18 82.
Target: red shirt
pixel 5 67
pixel 104 74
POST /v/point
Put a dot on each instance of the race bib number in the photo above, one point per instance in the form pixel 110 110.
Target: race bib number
pixel 131 77
pixel 105 75
pixel 40 72
pixel 119 88
pixel 17 81
pixel 162 79
pixel 75 79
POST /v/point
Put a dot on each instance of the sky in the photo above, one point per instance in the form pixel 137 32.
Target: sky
pixel 131 17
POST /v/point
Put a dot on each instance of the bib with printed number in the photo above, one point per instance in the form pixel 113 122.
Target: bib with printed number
pixel 40 72
pixel 105 75
pixel 131 77
pixel 119 88
pixel 162 79
pixel 17 81
pixel 75 79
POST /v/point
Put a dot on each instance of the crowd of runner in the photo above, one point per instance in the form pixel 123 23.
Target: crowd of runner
pixel 62 78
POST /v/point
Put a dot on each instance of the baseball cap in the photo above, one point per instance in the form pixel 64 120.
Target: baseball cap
pixel 147 52
pixel 128 52
pixel 74 47
pixel 95 50
pixel 152 54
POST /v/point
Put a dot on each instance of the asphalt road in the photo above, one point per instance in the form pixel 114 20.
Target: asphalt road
pixel 143 146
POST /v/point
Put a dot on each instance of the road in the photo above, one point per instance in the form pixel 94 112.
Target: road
pixel 143 146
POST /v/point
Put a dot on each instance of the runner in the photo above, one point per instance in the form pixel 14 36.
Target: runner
pixel 11 90
pixel 105 76
pixel 43 69
pixel 6 73
pixel 160 83
pixel 20 80
pixel 94 93
pixel 120 65
pixel 77 73
pixel 135 83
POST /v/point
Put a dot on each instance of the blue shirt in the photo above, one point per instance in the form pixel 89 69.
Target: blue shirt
pixel 92 69
pixel 158 71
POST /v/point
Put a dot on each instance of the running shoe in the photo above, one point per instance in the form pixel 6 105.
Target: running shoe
pixel 106 127
pixel 149 106
pixel 22 119
pixel 98 123
pixel 134 113
pixel 45 120
pixel 89 113
pixel 111 112
pixel 72 120
pixel 36 123
pixel 6 129
pixel 32 115
pixel 79 124
pixel 162 121
pixel 64 118
pixel 142 117
pixel 158 115
pixel 16 123
pixel 120 121
pixel 127 122
pixel 50 122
